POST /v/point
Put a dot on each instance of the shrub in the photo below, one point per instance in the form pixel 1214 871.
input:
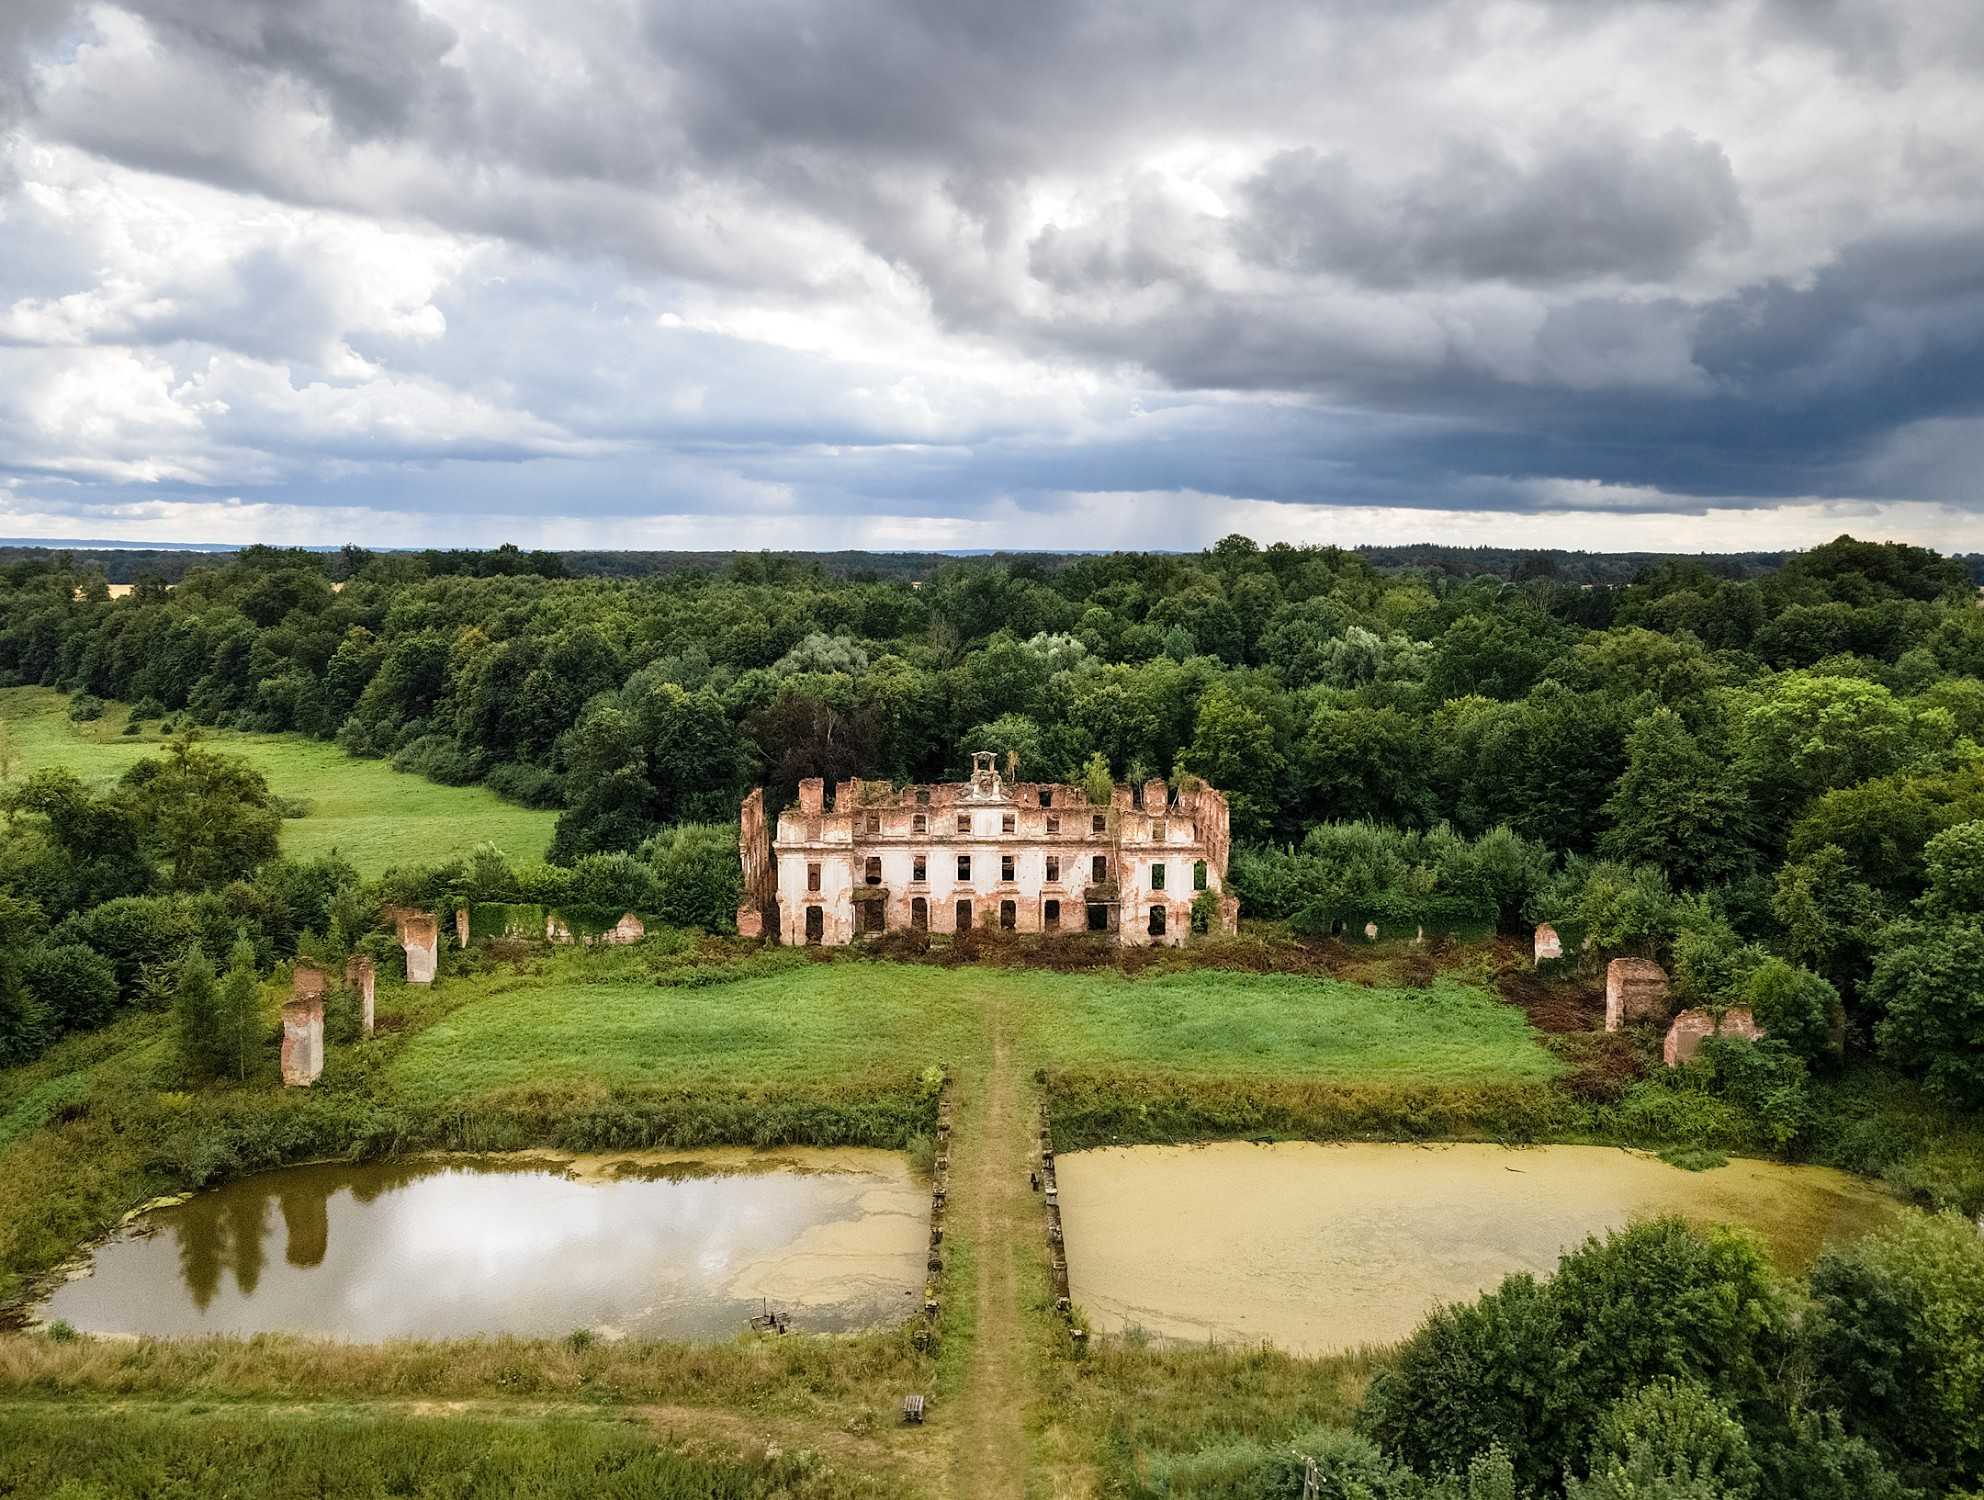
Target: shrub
pixel 134 932
pixel 1535 1366
pixel 533 786
pixel 1796 1007
pixel 1897 1340
pixel 86 707
pixel 76 984
pixel 439 758
pixel 618 880
pixel 700 879
pixel 1766 1080
pixel 1668 1438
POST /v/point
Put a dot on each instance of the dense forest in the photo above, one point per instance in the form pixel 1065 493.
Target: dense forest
pixel 1770 780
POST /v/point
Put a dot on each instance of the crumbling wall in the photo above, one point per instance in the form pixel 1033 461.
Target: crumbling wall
pixel 755 908
pixel 1635 990
pixel 360 977
pixel 303 1027
pixel 420 936
pixel 1692 1027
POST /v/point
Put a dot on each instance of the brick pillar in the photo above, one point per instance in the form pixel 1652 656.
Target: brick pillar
pixel 420 936
pixel 359 978
pixel 303 1039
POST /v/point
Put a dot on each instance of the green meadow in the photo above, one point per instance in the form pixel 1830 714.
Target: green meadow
pixel 364 810
pixel 797 1021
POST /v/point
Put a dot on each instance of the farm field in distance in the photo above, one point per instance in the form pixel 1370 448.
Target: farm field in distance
pixel 363 810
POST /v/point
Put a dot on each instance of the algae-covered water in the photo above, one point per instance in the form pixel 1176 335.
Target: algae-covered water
pixel 655 1245
pixel 1321 1248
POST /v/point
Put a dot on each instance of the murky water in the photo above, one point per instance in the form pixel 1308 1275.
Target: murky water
pixel 1319 1248
pixel 654 1245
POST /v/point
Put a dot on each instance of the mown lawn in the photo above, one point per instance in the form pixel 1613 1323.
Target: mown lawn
pixel 364 810
pixel 847 1020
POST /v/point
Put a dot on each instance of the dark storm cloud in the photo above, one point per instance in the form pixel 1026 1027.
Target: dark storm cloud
pixel 1430 252
pixel 1594 203
pixel 378 64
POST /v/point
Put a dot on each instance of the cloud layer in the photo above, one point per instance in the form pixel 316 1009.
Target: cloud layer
pixel 904 273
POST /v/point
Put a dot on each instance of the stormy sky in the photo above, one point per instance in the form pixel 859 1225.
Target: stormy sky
pixel 1045 273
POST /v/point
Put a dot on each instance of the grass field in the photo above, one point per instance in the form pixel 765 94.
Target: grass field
pixel 185 1451
pixel 364 810
pixel 848 1020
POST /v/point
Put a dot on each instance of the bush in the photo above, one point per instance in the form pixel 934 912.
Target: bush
pixel 76 984
pixel 1796 1007
pixel 700 879
pixel 439 758
pixel 86 707
pixel 618 881
pixel 147 708
pixel 1668 1438
pixel 533 786
pixel 135 933
pixel 1897 1341
pixel 1534 1367
pixel 1767 1080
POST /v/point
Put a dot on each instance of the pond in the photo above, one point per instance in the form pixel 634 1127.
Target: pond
pixel 659 1245
pixel 1321 1248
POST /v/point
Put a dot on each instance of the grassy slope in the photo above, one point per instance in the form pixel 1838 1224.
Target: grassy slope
pixel 845 1020
pixel 374 816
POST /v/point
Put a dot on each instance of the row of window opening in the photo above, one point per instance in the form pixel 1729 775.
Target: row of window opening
pixel 919 871
pixel 869 917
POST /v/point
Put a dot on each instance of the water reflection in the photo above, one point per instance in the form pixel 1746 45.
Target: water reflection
pixel 680 1247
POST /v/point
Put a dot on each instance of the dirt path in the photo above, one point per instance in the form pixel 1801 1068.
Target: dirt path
pixel 1001 1217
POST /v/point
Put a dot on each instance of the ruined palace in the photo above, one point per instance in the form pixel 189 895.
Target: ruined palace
pixel 986 853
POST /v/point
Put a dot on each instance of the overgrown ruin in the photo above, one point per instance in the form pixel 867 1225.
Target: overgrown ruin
pixel 420 936
pixel 361 978
pixel 1635 990
pixel 1035 857
pixel 303 1027
pixel 1693 1027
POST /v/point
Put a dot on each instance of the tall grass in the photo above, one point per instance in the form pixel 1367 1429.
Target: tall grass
pixel 332 1455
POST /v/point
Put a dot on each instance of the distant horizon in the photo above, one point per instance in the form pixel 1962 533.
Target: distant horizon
pixel 102 544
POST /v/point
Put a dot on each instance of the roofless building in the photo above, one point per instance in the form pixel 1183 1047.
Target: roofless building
pixel 950 856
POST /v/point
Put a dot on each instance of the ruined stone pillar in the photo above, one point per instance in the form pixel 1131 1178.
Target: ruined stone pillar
pixel 461 926
pixel 359 978
pixel 1548 944
pixel 303 1036
pixel 420 936
pixel 1635 990
pixel 1692 1027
